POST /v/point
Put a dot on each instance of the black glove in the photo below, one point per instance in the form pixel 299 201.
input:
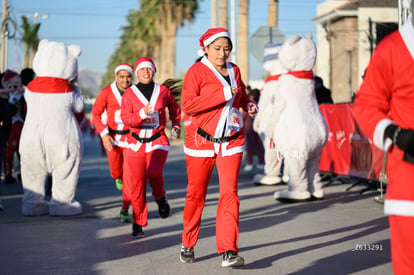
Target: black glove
pixel 403 138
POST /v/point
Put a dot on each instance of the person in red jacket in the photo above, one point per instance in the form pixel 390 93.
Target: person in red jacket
pixel 143 110
pixel 212 94
pixel 113 131
pixel 384 111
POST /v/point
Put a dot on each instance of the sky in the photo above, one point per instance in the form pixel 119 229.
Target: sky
pixel 96 26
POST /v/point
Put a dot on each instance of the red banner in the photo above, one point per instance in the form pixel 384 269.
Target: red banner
pixel 348 151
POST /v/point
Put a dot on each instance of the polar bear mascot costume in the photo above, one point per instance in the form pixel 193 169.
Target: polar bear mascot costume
pixel 51 140
pixel 273 163
pixel 300 131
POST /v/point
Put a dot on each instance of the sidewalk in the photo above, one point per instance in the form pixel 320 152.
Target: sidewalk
pixel 331 236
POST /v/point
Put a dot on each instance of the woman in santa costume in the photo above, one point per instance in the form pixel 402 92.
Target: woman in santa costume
pixel 143 109
pixel 113 131
pixel 384 112
pixel 212 94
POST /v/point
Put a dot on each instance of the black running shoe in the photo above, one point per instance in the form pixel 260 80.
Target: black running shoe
pixel 231 259
pixel 9 179
pixel 187 255
pixel 163 207
pixel 137 231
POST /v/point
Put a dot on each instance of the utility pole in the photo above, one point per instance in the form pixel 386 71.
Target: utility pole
pixel 233 56
pixel 4 36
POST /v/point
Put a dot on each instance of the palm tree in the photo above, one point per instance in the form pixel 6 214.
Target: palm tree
pixel 214 13
pixel 243 41
pixel 273 14
pixel 171 15
pixel 139 38
pixel 151 32
pixel 223 14
pixel 30 39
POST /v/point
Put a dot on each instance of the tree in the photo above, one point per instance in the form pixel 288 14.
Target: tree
pixel 171 15
pixel 224 14
pixel 273 13
pixel 214 13
pixel 139 38
pixel 243 41
pixel 151 31
pixel 30 39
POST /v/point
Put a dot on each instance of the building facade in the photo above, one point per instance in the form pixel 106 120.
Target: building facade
pixel 347 33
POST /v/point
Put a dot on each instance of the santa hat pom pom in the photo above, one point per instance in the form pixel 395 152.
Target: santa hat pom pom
pixel 200 52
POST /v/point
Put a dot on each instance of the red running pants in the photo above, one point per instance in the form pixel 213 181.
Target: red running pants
pixel 119 170
pixel 145 166
pixel 199 170
pixel 402 244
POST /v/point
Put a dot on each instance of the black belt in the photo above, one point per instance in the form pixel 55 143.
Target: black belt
pixel 205 135
pixel 146 140
pixel 118 132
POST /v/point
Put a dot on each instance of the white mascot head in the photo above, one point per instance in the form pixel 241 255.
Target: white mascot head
pixel 54 59
pixel 298 53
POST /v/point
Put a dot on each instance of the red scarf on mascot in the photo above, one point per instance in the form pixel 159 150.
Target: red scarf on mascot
pixel 49 85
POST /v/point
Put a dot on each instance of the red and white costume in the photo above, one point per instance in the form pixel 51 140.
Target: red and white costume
pixel 12 84
pixel 207 98
pixel 147 159
pixel 386 96
pixel 109 101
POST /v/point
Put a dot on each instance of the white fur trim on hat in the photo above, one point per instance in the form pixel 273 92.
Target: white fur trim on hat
pixel 271 51
pixel 145 64
pixel 124 67
pixel 214 37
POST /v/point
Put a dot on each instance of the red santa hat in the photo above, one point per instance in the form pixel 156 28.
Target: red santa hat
pixel 124 66
pixel 144 62
pixel 8 74
pixel 210 35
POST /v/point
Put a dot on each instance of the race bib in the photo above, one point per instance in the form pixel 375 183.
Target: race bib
pixel 152 122
pixel 235 121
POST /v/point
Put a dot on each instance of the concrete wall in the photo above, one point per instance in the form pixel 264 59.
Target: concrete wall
pixel 382 15
pixel 344 59
pixel 322 67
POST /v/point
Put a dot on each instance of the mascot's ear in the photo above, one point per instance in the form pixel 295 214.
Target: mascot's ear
pixel 75 50
pixel 309 35
pixel 42 43
pixel 294 39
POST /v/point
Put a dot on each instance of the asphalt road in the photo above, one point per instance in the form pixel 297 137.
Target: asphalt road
pixel 346 233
